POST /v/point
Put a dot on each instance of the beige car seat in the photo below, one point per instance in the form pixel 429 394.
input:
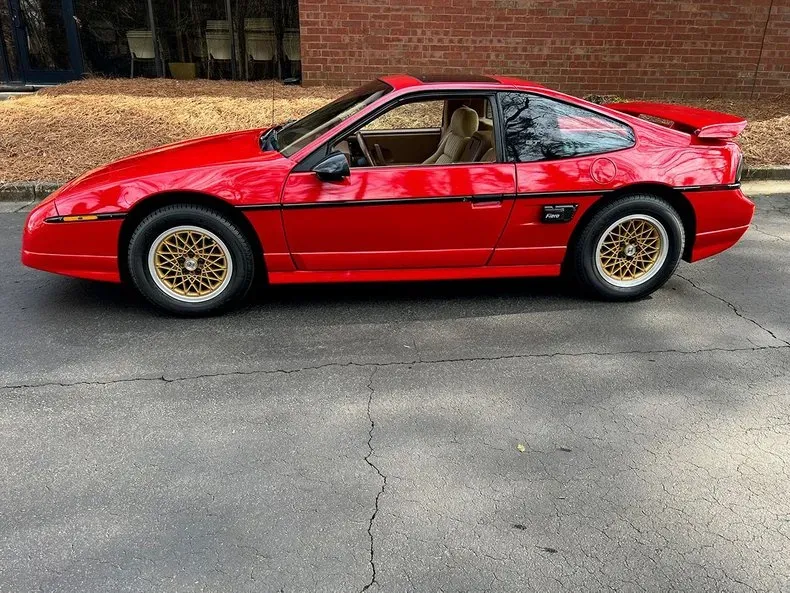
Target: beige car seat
pixel 478 145
pixel 463 124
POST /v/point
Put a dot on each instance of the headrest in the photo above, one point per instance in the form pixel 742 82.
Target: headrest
pixel 486 125
pixel 464 122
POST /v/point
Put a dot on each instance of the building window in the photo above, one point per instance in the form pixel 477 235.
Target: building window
pixel 112 33
pixel 258 39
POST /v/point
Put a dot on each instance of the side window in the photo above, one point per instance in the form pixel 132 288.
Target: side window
pixel 411 116
pixel 432 131
pixel 538 129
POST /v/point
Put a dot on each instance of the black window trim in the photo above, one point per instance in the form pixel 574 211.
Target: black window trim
pixel 311 160
pixel 565 102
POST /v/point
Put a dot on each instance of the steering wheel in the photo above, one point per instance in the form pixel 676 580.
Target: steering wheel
pixel 364 148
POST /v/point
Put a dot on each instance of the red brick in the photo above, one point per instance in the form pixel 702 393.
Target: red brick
pixel 690 47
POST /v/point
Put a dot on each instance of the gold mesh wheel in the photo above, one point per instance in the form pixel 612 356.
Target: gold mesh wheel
pixel 632 250
pixel 190 264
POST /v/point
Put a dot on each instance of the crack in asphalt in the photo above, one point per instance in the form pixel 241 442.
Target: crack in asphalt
pixel 401 363
pixel 767 234
pixel 734 309
pixel 383 481
pixel 23 206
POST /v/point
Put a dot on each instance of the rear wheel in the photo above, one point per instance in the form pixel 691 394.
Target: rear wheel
pixel 629 248
pixel 190 260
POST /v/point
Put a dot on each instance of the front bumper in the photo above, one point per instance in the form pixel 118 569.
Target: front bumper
pixel 80 249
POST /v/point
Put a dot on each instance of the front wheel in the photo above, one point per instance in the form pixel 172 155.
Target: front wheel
pixel 190 260
pixel 629 248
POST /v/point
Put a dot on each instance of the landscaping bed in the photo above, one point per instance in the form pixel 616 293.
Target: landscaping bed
pixel 62 131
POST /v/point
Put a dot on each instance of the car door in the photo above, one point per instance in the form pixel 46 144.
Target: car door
pixel 398 216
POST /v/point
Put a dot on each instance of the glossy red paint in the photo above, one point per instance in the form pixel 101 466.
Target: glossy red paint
pixel 406 222
pixel 395 217
pixel 413 275
pixel 268 226
pixel 722 217
pixel 700 122
pixel 83 250
pixel 401 81
pixel 230 167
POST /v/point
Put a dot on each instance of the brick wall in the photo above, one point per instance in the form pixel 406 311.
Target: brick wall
pixel 627 47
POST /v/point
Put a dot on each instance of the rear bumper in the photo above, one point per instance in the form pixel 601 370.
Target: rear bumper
pixel 713 242
pixel 722 218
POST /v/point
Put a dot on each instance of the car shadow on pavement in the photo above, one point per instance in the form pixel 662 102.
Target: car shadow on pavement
pixel 375 302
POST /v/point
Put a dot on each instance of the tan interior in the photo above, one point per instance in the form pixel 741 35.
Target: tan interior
pixel 479 144
pixel 463 125
pixel 465 136
pixel 486 125
pixel 402 147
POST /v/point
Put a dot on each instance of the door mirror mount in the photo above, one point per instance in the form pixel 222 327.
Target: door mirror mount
pixel 334 167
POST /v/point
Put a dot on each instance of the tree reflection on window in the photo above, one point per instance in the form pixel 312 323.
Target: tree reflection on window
pixel 539 129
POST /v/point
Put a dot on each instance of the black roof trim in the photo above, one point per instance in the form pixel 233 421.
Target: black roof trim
pixel 446 78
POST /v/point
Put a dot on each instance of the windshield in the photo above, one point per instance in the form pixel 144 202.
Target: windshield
pixel 293 137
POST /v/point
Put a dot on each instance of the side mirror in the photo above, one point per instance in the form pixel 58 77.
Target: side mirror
pixel 334 167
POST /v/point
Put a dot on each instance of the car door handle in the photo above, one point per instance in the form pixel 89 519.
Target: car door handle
pixel 486 203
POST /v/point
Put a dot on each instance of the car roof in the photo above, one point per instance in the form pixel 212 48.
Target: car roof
pixel 402 81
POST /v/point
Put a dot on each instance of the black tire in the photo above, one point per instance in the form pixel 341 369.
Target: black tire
pixel 590 275
pixel 239 273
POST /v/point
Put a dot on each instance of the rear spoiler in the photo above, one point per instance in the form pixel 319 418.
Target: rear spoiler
pixel 692 120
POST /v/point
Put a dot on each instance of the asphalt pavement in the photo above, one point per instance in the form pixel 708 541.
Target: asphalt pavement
pixel 463 436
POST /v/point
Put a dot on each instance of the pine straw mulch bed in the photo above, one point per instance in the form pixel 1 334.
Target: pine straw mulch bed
pixel 63 131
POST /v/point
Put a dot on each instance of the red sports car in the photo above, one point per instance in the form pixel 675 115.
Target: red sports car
pixel 409 178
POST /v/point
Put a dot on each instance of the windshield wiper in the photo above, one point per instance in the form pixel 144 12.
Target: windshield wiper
pixel 268 140
pixel 286 124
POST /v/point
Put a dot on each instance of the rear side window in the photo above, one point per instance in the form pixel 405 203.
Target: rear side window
pixel 539 129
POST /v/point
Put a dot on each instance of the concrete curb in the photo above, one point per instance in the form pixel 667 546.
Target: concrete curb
pixel 26 191
pixel 35 191
pixel 768 173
